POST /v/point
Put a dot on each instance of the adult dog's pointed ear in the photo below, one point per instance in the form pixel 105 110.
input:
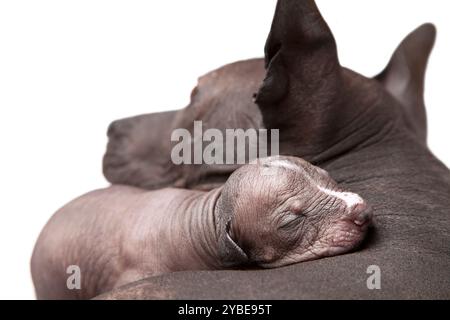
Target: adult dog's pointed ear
pixel 300 46
pixel 404 76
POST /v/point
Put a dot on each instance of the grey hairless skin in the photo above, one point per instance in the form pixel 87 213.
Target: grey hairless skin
pixel 273 213
pixel 370 134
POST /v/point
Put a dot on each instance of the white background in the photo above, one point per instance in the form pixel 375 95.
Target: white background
pixel 68 68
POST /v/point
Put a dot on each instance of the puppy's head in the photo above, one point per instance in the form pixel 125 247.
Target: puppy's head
pixel 284 210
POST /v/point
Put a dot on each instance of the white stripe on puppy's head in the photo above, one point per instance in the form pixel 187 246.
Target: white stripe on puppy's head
pixel 271 165
pixel 286 164
pixel 350 199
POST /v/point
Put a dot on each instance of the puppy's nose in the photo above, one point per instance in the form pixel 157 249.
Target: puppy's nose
pixel 362 213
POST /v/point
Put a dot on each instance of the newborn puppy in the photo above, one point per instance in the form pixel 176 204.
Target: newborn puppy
pixel 276 212
pixel 290 212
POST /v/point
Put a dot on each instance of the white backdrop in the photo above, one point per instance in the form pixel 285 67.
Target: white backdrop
pixel 68 68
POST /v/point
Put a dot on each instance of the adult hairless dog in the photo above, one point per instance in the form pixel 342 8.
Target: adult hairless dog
pixel 139 148
pixel 370 134
pixel 276 212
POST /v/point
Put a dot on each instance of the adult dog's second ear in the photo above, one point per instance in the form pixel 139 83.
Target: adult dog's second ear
pixel 404 76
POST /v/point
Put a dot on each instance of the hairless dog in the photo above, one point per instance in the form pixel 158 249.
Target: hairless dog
pixel 139 148
pixel 370 134
pixel 273 213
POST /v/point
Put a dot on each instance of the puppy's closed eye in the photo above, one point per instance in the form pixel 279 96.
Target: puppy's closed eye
pixel 291 220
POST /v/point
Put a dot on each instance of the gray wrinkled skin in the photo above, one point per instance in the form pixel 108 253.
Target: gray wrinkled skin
pixel 370 134
pixel 276 212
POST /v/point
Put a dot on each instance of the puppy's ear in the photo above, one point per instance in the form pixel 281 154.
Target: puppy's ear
pixel 404 76
pixel 300 45
pixel 236 254
pixel 230 254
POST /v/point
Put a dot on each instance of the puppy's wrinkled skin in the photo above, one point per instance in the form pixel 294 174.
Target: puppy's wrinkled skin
pixel 276 212
pixel 308 217
pixel 370 135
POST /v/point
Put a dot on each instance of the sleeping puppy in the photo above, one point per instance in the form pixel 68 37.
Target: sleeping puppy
pixel 275 212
